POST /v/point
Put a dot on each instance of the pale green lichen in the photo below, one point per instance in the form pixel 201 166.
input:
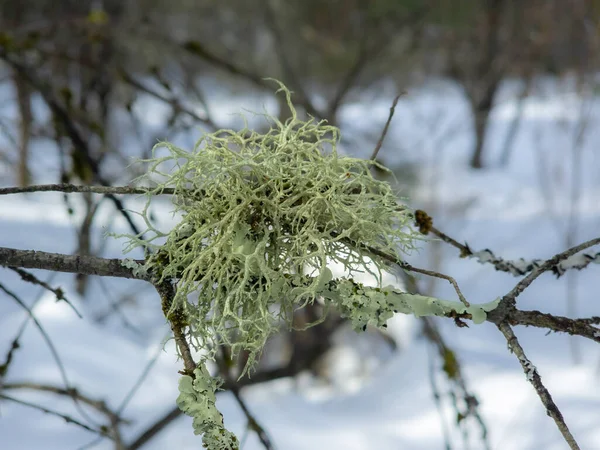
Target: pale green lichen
pixel 365 305
pixel 258 210
pixel 197 399
pixel 138 270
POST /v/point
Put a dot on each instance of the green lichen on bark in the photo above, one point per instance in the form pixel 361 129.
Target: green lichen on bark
pixel 197 399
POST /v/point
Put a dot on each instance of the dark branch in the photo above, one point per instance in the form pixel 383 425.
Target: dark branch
pixel 574 327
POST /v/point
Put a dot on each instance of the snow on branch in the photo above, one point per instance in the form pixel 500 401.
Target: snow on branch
pixel 519 267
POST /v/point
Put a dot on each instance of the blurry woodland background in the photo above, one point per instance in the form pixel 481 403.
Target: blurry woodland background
pixel 86 86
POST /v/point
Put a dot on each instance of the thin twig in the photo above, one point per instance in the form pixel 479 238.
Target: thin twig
pixel 516 268
pixel 534 378
pixel 456 377
pixel 253 423
pixel 31 278
pixel 125 401
pixel 431 273
pixel 98 405
pixel 51 347
pixel 437 397
pixel 510 298
pixel 15 343
pixel 404 265
pixel 101 431
pixel 174 102
pixel 387 125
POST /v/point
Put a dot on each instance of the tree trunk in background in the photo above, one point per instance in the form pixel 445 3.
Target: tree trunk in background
pixel 482 108
pixel 488 71
pixel 26 117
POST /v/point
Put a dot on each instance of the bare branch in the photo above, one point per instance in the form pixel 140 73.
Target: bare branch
pixel 387 125
pixel 576 327
pixel 534 378
pixel 252 422
pixel 406 266
pixel 51 347
pixel 486 256
pixel 31 278
pixel 101 431
pixel 453 370
pixel 174 101
pixel 510 298
pixel 431 273
pixel 154 429
pixel 98 405
pixel 88 265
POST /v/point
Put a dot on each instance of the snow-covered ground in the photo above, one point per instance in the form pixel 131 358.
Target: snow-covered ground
pixel 546 197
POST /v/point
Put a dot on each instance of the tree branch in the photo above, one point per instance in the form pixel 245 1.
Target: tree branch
pixel 517 268
pixel 510 298
pixel 534 378
pixel 101 431
pixel 74 188
pixel 88 265
pixel 178 321
pixel 98 405
pixel 58 292
pixel 574 327
pixel 387 125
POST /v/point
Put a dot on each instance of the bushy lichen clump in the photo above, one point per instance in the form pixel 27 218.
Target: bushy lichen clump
pixel 256 210
pixel 261 217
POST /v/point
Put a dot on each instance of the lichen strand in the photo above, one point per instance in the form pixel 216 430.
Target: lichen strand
pixel 256 205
